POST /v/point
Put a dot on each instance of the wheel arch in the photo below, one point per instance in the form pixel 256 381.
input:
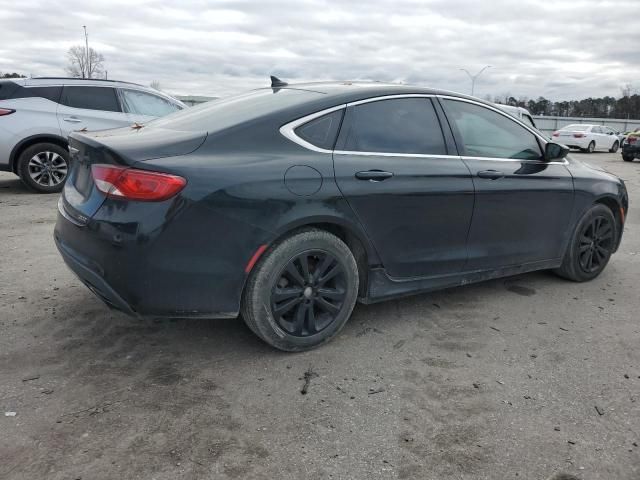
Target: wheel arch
pixel 30 141
pixel 613 204
pixel 357 241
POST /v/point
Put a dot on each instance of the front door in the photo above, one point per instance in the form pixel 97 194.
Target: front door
pixel 413 196
pixel 523 204
pixel 91 108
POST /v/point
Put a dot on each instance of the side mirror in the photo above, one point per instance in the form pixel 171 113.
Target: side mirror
pixel 555 151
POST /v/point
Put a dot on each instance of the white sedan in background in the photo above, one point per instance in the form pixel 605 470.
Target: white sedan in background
pixel 588 137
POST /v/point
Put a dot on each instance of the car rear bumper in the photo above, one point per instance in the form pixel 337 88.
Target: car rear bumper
pixel 573 142
pixel 166 273
pixel 90 275
pixel 628 149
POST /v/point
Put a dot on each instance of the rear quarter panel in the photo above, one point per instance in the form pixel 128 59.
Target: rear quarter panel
pixel 32 117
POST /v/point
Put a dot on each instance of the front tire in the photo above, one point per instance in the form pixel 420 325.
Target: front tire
pixel 615 147
pixel 627 158
pixel 302 291
pixel 591 245
pixel 44 167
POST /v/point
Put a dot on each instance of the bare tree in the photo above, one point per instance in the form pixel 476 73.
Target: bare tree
pixel 155 85
pixel 82 65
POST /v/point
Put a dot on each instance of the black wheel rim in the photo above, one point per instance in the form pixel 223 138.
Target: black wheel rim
pixel 596 242
pixel 309 293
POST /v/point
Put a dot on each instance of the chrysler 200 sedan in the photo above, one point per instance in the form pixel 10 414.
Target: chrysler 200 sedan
pixel 288 204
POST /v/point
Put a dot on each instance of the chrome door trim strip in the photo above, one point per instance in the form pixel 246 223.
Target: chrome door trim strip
pixel 288 131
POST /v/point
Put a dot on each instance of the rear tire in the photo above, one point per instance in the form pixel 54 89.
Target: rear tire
pixel 302 291
pixel 591 147
pixel 591 245
pixel 627 157
pixel 44 167
pixel 615 147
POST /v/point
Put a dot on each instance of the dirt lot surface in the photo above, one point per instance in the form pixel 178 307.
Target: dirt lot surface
pixel 525 377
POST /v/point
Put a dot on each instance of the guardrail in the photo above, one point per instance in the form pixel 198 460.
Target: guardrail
pixel 547 124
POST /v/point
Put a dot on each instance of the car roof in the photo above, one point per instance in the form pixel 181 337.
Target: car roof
pixel 37 81
pixel 56 81
pixel 352 91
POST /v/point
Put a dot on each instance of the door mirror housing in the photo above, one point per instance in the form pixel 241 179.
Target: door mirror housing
pixel 555 151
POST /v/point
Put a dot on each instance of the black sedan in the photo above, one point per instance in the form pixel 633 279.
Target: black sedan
pixel 288 204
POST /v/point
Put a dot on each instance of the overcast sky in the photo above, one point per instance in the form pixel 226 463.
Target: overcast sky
pixel 560 49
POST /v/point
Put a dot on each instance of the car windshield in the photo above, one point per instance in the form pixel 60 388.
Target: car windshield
pixel 576 128
pixel 226 112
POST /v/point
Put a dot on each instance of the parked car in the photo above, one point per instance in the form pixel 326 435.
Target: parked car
pixel 631 146
pixel 520 113
pixel 38 114
pixel 588 138
pixel 287 204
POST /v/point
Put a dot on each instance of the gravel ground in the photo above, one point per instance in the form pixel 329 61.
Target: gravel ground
pixel 526 377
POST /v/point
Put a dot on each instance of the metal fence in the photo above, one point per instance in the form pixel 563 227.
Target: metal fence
pixel 550 124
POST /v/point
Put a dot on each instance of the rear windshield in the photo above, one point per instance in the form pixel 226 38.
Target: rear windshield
pixel 226 112
pixel 7 88
pixel 576 128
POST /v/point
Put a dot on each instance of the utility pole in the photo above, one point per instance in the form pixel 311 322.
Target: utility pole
pixel 474 77
pixel 86 42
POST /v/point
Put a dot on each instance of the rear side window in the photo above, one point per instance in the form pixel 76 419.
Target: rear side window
pixel 404 125
pixel 486 133
pixel 7 89
pixel 91 98
pixel 142 103
pixel 50 93
pixel 321 131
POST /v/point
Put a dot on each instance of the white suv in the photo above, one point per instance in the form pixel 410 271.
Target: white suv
pixel 38 114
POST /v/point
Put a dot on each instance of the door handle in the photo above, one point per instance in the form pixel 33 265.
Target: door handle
pixel 491 174
pixel 72 119
pixel 374 175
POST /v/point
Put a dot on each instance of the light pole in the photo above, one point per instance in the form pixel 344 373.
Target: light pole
pixel 474 77
pixel 86 42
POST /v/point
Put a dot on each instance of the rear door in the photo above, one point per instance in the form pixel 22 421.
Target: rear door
pixel 143 106
pixel 523 204
pixel 413 195
pixel 91 108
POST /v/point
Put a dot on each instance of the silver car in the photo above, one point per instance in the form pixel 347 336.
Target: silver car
pixel 38 114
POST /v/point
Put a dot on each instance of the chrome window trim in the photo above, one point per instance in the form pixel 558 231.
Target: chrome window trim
pixel 288 131
pixel 501 112
pixel 392 154
pixel 391 97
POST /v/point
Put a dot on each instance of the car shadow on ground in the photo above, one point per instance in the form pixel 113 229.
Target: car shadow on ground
pixel 15 186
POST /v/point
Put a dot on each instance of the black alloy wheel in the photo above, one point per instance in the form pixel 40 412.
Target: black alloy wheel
pixel 302 290
pixel 596 244
pixel 309 293
pixel 592 243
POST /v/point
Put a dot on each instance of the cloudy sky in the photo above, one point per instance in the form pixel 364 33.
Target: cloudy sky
pixel 560 49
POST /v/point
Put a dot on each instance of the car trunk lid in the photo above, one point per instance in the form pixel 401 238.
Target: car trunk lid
pixel 124 147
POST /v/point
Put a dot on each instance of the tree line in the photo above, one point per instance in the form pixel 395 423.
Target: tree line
pixel 627 106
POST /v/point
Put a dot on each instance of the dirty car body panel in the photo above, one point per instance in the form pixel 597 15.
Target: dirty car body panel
pixel 251 180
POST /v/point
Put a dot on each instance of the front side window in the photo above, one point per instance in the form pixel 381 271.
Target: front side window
pixel 403 125
pixel 91 98
pixel 486 133
pixel 142 103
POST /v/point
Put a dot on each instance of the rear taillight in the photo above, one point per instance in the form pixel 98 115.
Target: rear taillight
pixel 631 139
pixel 6 111
pixel 555 134
pixel 578 135
pixel 132 184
